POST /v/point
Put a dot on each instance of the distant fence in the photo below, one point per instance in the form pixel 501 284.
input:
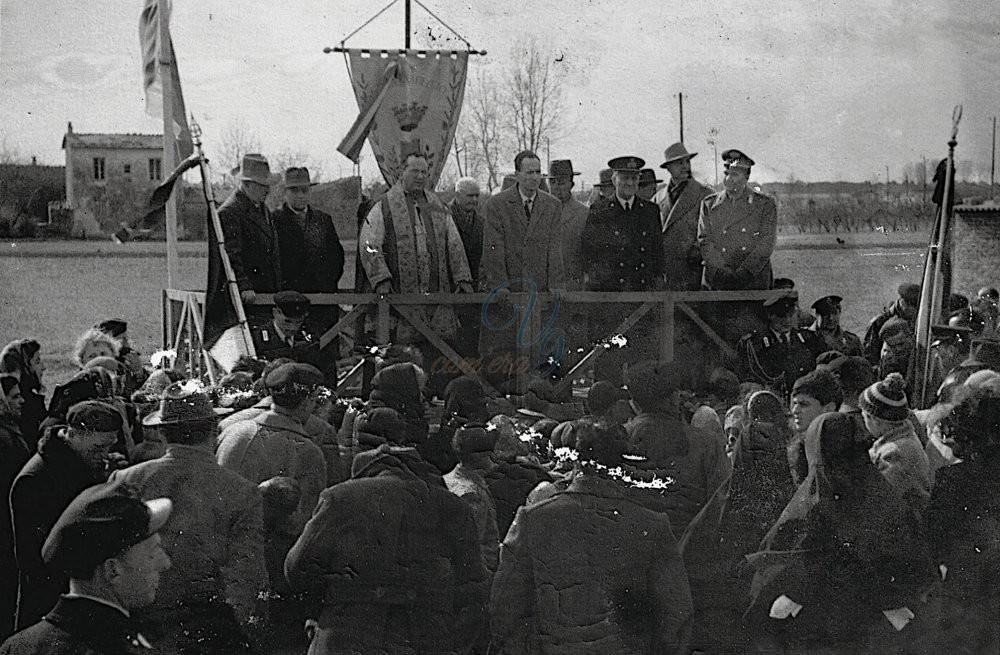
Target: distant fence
pixel 811 216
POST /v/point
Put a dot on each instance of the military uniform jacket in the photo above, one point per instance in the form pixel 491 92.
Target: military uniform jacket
pixel 775 363
pixel 251 244
pixel 679 227
pixel 622 249
pixel 736 237
pixel 312 258
pixel 841 340
pixel 304 349
pixel 79 626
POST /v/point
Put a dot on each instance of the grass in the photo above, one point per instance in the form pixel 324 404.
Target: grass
pixel 53 291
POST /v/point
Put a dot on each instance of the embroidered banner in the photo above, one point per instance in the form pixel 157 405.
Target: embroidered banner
pixel 421 101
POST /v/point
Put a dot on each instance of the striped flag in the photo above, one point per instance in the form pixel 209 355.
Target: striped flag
pixel 351 146
pixel 153 55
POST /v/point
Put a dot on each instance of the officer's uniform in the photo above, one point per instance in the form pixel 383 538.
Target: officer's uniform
pixel 301 346
pixel 775 360
pixel 622 251
pixel 840 340
pixel 736 236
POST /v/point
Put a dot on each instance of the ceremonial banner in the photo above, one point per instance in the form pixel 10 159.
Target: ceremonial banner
pixel 420 104
pixel 152 57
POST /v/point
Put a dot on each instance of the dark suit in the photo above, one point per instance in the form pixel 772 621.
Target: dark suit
pixel 623 252
pixel 312 258
pixel 679 227
pixel 470 228
pixel 251 244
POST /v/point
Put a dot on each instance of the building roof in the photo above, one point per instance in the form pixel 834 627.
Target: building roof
pixel 987 207
pixel 116 141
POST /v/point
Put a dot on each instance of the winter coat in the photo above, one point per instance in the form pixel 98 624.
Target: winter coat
pixel 312 258
pixel 395 557
pixel 272 445
pixel 251 243
pixel 901 460
pixel 469 485
pixel 78 626
pixel 736 237
pixel 52 478
pixel 213 536
pixel 695 462
pixel 510 482
pixel 679 222
pixel 14 453
pixel 590 571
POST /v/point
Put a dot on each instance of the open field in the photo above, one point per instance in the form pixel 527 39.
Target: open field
pixel 55 290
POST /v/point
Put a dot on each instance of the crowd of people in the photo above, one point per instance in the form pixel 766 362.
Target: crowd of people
pixel 800 500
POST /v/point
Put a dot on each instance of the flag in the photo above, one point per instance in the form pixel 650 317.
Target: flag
pixel 153 55
pixel 155 213
pixel 351 146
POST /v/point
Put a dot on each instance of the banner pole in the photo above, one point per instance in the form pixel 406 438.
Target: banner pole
pixel 169 161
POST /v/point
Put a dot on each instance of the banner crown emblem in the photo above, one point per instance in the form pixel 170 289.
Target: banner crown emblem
pixel 409 115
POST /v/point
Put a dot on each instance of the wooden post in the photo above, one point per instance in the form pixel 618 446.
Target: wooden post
pixel 667 331
pixel 680 101
pixel 169 154
pixel 406 40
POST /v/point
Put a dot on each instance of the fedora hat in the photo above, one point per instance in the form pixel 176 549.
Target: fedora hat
pixel 184 402
pixel 676 152
pixel 298 176
pixel 561 168
pixel 605 178
pixel 648 176
pixel 255 168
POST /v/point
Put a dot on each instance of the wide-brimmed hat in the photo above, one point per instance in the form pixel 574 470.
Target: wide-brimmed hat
pixel 255 168
pixel 184 402
pixel 605 178
pixel 297 176
pixel 648 176
pixel 561 168
pixel 675 152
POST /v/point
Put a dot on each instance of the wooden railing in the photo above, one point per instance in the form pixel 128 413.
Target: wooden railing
pixel 183 320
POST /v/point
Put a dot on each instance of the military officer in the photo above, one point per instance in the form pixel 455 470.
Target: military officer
pixel 623 252
pixel 285 336
pixel 781 353
pixel 827 327
pixel 737 229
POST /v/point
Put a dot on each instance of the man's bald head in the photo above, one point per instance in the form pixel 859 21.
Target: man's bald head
pixel 467 194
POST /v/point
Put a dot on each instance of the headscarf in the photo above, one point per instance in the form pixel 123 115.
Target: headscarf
pixel 88 384
pixel 16 358
pixel 464 398
pixel 397 387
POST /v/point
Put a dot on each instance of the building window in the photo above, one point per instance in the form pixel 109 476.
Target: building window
pixel 155 169
pixel 127 169
pixel 98 168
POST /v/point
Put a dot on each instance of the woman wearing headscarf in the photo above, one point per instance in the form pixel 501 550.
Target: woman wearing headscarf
pixel 734 522
pixel 464 405
pixel 842 569
pixel 23 359
pixel 93 384
pixel 963 524
pixel 396 391
pixel 14 452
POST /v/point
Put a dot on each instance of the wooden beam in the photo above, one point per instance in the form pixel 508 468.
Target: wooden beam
pixel 331 334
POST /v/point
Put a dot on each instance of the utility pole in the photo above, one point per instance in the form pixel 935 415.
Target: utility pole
pixel 887 183
pixel 680 101
pixel 406 41
pixel 712 141
pixel 993 158
pixel 924 201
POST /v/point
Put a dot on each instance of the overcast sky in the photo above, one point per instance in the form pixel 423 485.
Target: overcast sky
pixel 836 90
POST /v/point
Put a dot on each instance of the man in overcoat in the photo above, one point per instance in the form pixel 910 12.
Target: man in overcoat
pixel 680 205
pixel 206 601
pixel 737 231
pixel 521 246
pixel 251 241
pixel 572 219
pixel 622 247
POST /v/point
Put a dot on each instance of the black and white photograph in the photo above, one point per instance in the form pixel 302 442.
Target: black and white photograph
pixel 427 327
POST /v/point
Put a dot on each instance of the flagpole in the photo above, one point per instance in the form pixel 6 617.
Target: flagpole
pixel 938 246
pixel 220 237
pixel 169 154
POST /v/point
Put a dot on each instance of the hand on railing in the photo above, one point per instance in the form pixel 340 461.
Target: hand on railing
pixel 464 287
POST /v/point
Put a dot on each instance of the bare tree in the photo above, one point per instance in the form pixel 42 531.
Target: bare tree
pixel 483 129
pixel 235 141
pixel 534 97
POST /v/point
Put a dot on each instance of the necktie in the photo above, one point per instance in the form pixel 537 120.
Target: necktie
pixel 527 208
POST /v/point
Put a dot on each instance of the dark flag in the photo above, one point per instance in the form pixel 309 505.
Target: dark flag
pixel 155 213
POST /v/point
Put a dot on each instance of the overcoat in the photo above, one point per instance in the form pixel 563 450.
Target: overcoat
pixel 251 243
pixel 679 227
pixel 736 237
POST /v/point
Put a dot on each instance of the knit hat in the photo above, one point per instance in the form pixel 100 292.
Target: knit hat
pixel 886 399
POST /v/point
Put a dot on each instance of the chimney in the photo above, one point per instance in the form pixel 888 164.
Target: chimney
pixel 69 127
pixel 34 160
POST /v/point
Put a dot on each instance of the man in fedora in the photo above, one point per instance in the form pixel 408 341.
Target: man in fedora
pixel 312 257
pixel 107 544
pixel 647 184
pixel 605 187
pixel 621 246
pixel 521 248
pixel 213 535
pixel 572 219
pixel 737 230
pixel 465 212
pixel 251 241
pixel 679 204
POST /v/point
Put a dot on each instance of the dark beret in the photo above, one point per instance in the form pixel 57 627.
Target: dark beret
pixel 473 439
pixel 95 416
pixel 293 374
pixel 113 327
pixel 291 303
pixel 102 522
pixel 827 305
